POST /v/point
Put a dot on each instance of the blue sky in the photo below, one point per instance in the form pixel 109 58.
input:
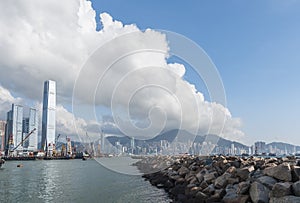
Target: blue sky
pixel 254 44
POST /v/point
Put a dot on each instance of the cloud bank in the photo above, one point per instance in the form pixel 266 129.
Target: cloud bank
pixel 57 40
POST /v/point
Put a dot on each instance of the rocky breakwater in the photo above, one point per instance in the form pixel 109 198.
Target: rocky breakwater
pixel 225 179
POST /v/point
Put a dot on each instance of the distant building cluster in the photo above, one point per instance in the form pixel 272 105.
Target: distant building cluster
pixel 19 133
pixel 16 127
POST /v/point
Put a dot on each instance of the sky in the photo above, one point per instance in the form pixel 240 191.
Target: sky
pixel 254 46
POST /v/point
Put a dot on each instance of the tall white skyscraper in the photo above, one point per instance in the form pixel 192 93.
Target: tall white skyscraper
pixel 14 127
pixel 48 120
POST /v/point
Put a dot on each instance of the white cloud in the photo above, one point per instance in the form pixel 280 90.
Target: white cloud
pixel 6 100
pixel 43 40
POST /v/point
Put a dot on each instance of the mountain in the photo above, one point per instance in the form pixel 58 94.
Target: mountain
pixel 181 136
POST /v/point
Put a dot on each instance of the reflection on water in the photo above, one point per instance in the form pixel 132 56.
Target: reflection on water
pixel 72 181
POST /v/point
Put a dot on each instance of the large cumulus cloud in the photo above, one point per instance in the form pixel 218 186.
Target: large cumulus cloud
pixel 43 40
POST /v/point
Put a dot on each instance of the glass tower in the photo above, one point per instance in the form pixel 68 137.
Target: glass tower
pixel 48 119
pixel 28 125
pixel 14 127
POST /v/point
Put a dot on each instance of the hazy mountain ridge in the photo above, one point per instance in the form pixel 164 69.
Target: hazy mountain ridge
pixel 184 135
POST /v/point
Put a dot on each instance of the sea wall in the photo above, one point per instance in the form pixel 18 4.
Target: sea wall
pixel 226 179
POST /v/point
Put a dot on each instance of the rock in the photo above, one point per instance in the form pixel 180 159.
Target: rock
pixel 296 188
pixel 281 189
pixel 160 185
pixel 256 174
pixel 209 190
pixel 221 181
pixel 243 173
pixel 243 188
pixel 180 181
pixel 286 199
pixel 231 170
pixel 210 177
pixel 168 184
pixel 200 196
pixel 295 173
pixel 259 193
pixel 183 170
pixel 267 181
pixel 233 180
pixel 193 191
pixel 281 172
pixel 203 185
pixel 200 175
pixel 234 198
pixel 177 189
pixel 236 164
pixel 220 193
pixel 181 198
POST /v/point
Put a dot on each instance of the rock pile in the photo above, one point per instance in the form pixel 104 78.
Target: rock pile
pixel 225 179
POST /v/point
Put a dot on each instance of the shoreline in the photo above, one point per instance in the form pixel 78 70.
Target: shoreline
pixel 228 179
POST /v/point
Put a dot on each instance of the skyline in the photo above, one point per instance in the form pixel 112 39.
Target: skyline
pixel 258 68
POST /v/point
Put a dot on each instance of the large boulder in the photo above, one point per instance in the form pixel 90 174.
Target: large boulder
pixel 183 171
pixel 296 173
pixel 209 190
pixel 285 199
pixel 210 177
pixel 281 189
pixel 243 173
pixel 296 188
pixel 222 180
pixel 231 170
pixel 243 187
pixel 267 181
pixel 259 193
pixel 234 198
pixel 177 189
pixel 280 172
pixel 200 197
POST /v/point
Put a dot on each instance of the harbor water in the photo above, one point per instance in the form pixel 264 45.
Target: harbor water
pixel 72 181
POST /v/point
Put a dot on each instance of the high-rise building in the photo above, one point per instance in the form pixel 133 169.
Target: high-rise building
pixel 29 124
pixel 260 147
pixel 102 142
pixel 13 134
pixel 48 118
pixel 2 135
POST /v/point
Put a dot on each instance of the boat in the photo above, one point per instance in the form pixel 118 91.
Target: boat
pixel 2 161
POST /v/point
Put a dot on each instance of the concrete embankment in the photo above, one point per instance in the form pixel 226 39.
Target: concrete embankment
pixel 224 179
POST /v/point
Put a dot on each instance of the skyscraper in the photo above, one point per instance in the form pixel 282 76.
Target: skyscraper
pixel 13 134
pixel 48 118
pixel 2 135
pixel 28 125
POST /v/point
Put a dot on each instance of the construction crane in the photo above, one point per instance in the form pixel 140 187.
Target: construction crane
pixel 26 137
pixel 56 139
pixel 55 146
pixel 92 147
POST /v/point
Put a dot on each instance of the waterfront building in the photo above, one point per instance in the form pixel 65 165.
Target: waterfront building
pixel 48 118
pixel 29 124
pixel 260 147
pixel 14 128
pixel 102 142
pixel 232 149
pixel 2 135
